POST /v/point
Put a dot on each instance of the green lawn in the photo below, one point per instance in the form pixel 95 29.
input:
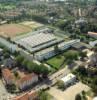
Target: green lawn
pixel 2 6
pixel 71 51
pixel 56 61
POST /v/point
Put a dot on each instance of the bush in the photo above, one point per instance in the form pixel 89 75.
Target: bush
pixel 78 97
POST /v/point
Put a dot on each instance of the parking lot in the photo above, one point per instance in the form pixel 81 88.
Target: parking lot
pixel 69 93
pixel 4 95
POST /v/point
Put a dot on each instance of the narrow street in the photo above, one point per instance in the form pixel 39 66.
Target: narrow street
pixel 52 79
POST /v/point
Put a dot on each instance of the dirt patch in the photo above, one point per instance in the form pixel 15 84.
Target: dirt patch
pixel 32 24
pixel 12 30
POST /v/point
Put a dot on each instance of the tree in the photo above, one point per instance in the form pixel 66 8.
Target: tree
pixel 16 74
pixel 19 59
pixel 44 70
pixel 31 66
pixel 0 71
pixel 83 54
pixel 71 55
pixel 56 48
pixel 61 24
pixel 78 97
pixel 43 95
pixel 5 50
pixel 96 2
pixel 25 63
pixel 84 95
pixel 39 69
pixel 61 85
pixel 9 39
pixel 11 88
pixel 6 55
pixel 82 70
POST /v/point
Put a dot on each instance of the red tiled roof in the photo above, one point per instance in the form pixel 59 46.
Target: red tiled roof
pixel 26 78
pixel 22 97
pixel 27 96
pixel 7 74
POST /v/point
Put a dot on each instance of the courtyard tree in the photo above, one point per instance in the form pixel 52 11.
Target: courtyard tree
pixel 71 55
pixel 44 70
pixel 31 66
pixel 24 63
pixel 11 88
pixel 16 74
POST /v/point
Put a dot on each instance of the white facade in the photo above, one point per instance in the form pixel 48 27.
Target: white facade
pixel 27 83
pixel 50 52
pixel 69 79
pixel 8 81
pixel 95 98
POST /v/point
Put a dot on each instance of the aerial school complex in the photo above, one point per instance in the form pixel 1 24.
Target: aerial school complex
pixel 38 42
pixel 42 44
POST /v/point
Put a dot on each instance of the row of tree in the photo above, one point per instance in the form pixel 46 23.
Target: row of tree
pixel 32 67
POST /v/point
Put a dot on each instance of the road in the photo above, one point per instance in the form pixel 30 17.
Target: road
pixel 4 95
pixel 52 79
pixel 69 93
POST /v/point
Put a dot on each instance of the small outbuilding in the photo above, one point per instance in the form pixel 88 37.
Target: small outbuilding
pixel 95 98
pixel 69 79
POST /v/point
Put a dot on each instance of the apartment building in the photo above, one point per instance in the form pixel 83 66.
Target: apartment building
pixel 7 76
pixel 27 81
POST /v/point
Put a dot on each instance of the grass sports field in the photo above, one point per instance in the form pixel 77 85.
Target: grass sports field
pixel 12 30
pixel 32 24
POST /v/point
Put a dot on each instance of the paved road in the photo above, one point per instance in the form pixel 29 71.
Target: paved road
pixel 4 95
pixel 69 93
pixel 52 79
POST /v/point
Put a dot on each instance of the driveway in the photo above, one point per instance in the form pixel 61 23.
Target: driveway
pixel 69 93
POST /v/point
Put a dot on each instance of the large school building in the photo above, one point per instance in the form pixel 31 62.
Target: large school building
pixel 42 43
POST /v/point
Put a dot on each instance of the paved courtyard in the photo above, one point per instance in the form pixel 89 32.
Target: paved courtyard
pixel 4 95
pixel 69 93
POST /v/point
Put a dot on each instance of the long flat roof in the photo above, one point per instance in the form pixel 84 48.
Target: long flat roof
pixel 38 41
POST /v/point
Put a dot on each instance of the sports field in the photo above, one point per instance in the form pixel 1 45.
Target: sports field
pixel 32 24
pixel 12 30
